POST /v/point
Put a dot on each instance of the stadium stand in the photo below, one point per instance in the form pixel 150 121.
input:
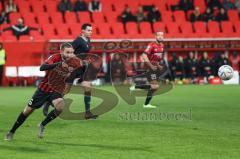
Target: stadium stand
pixel 107 24
pixel 45 12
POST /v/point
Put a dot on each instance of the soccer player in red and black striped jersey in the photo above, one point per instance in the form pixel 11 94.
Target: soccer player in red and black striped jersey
pixel 51 89
pixel 82 47
pixel 153 56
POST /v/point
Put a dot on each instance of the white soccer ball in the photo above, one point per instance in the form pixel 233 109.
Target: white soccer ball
pixel 225 72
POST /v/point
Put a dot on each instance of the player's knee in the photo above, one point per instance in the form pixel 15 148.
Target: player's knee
pixel 154 87
pixel 59 104
pixel 27 111
pixel 87 86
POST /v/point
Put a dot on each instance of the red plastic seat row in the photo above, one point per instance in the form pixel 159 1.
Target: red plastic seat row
pixel 37 6
pixel 198 29
pixel 56 17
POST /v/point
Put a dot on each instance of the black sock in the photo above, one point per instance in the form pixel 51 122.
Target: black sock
pixel 20 120
pixel 149 97
pixel 143 86
pixel 87 99
pixel 52 115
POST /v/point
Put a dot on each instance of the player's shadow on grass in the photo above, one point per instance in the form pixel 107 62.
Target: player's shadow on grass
pixel 109 147
pixel 22 149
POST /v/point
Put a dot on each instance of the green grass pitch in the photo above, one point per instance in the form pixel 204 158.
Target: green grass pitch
pixel 212 132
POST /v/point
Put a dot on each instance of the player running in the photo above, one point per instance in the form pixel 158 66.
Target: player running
pixel 153 57
pixel 51 89
pixel 82 47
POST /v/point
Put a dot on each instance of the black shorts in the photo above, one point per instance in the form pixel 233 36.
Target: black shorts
pixel 40 97
pixel 153 75
pixel 156 75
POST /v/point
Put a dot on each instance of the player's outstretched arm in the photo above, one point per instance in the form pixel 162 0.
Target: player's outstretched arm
pixel 46 66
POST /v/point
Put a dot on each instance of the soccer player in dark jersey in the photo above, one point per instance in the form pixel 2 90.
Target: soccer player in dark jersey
pixel 51 89
pixel 153 56
pixel 82 47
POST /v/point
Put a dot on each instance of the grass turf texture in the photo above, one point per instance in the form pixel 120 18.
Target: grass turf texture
pixel 212 133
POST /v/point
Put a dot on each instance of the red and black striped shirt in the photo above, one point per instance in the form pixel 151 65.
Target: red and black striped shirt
pixel 52 76
pixel 155 52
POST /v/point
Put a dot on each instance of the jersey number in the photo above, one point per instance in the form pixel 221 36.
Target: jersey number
pixel 153 76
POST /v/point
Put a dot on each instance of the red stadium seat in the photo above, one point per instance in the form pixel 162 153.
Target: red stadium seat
pixel 51 5
pixel 227 29
pixel 2 26
pixel 179 16
pixel 95 30
pixel 96 34
pixel 132 29
pixel 113 18
pixel 200 29
pixel 84 17
pixel 118 30
pixel 7 33
pixel 75 29
pixel 9 38
pixel 98 17
pixel 118 6
pixel 233 15
pixel 159 26
pixel 161 5
pixel 49 31
pixel 133 5
pixel 146 29
pixel 237 28
pixel 173 30
pixel 29 18
pixel 63 31
pixel 56 18
pixel 214 29
pixel 43 18
pixel 23 6
pixel 187 30
pixel 38 6
pixel 172 2
pixel 71 18
pixel 39 38
pixel 167 16
pixel 148 2
pixel 105 31
pixel 13 17
pixel 107 6
pixel 25 38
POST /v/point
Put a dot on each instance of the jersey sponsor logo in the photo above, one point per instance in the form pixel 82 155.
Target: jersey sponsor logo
pixel 158 49
pixel 158 54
